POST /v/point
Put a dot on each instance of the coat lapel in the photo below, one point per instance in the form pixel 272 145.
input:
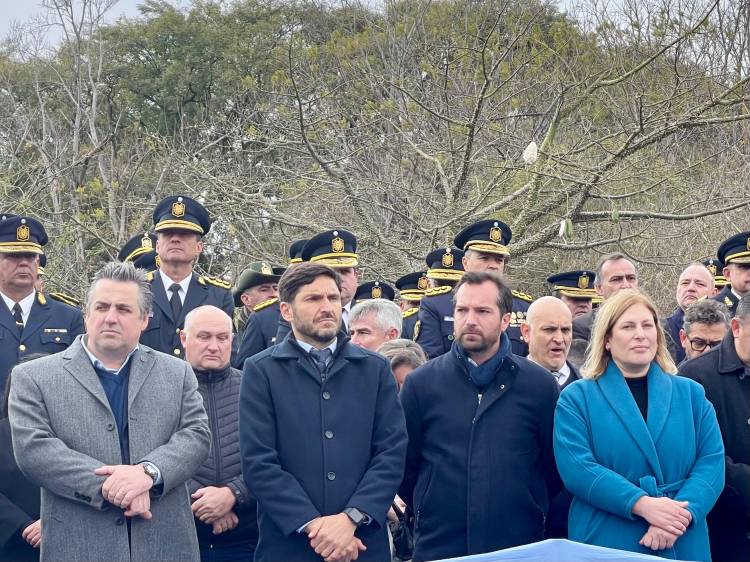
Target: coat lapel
pixel 659 400
pixel 618 395
pixel 78 364
pixel 160 295
pixel 38 317
pixel 141 364
pixel 291 351
pixel 6 319
pixel 196 296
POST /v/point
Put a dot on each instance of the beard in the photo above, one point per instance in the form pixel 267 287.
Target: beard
pixel 479 344
pixel 317 333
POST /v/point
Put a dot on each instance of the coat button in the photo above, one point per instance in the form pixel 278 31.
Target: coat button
pixel 176 351
pixel 331 476
pixel 327 396
pixel 110 426
pixel 120 521
pixel 328 434
pixel 57 338
pixel 22 347
pixel 450 337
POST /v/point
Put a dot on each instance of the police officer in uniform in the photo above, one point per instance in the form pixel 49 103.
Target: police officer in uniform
pixel 434 327
pixel 485 246
pixel 374 290
pixel 141 250
pixel 265 326
pixel 56 295
pixel 180 224
pixel 29 321
pixel 734 252
pixel 575 289
pixel 412 288
pixel 257 283
pixel 717 270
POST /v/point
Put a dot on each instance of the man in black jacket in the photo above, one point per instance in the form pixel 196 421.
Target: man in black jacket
pixel 223 508
pixel 724 372
pixel 479 466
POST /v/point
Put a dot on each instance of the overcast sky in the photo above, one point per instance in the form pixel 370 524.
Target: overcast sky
pixel 20 11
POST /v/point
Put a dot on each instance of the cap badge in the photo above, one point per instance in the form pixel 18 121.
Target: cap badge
pixel 178 209
pixel 265 269
pixel 496 234
pixel 447 260
pixel 583 281
pixel 23 233
pixel 748 243
pixel 146 242
pixel 712 268
pixel 376 292
pixel 337 245
pixel 422 284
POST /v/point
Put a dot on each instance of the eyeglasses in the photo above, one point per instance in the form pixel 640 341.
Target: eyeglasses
pixel 698 344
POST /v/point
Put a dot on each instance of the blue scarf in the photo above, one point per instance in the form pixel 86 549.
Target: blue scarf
pixel 483 375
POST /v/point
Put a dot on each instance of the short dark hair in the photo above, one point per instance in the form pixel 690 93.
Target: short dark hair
pixel 504 295
pixel 614 256
pixel 706 311
pixel 743 308
pixel 303 274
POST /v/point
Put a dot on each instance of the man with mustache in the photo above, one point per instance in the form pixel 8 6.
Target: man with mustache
pixel 480 466
pixel 180 224
pixel 30 322
pixel 322 432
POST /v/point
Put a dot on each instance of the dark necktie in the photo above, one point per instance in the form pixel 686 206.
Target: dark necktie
pixel 321 358
pixel 175 302
pixel 18 317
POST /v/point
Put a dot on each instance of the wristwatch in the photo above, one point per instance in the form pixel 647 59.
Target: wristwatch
pixel 357 517
pixel 151 470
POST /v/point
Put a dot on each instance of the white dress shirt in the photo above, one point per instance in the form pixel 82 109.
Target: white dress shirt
pixel 168 282
pixel 26 303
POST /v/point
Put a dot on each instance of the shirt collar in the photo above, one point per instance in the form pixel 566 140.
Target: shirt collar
pixel 26 303
pixel 307 347
pixel 564 370
pixel 168 281
pixel 99 365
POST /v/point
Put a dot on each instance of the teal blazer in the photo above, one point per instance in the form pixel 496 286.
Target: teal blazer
pixel 609 457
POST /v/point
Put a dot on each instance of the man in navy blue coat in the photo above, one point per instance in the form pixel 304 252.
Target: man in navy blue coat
pixel 480 466
pixel 322 433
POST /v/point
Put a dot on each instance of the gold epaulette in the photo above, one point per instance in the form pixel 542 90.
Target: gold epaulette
pixel 438 291
pixel 67 299
pixel 410 312
pixel 265 304
pixel 214 281
pixel 523 296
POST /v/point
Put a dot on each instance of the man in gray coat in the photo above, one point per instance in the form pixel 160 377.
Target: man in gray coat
pixel 111 431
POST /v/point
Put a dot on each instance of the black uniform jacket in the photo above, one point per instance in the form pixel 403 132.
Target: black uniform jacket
pixel 727 383
pixel 163 331
pixel 51 327
pixel 480 468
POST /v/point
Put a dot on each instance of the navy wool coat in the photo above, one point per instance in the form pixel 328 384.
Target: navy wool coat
pixel 312 448
pixel 478 473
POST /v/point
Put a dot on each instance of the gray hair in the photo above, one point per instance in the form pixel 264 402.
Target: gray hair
pixel 125 273
pixel 387 314
pixel 403 352
pixel 742 312
pixel 189 317
pixel 706 311
pixel 614 256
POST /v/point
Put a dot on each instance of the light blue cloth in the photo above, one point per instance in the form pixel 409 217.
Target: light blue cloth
pixel 609 457
pixel 558 550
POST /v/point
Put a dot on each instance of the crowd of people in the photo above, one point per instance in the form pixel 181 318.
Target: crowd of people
pixel 302 414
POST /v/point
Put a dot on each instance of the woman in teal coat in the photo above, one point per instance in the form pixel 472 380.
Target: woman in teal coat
pixel 639 448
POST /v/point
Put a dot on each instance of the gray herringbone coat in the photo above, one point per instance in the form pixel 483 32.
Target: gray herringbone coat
pixel 63 428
